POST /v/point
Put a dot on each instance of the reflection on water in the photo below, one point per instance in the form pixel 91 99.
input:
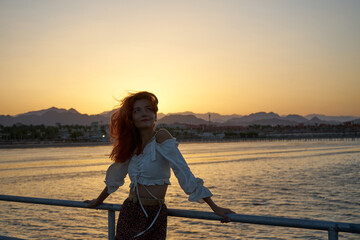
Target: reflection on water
pixel 301 179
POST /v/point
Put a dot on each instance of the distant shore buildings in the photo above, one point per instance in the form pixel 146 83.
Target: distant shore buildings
pixel 214 132
pixel 99 132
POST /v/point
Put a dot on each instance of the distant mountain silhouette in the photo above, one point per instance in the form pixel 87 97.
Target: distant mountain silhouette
pixel 176 118
pixel 316 120
pixel 246 120
pixel 41 112
pixel 331 118
pixel 214 117
pixel 52 116
pixel 55 115
pixel 296 118
pixel 273 119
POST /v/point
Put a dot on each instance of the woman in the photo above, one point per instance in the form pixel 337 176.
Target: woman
pixel 147 156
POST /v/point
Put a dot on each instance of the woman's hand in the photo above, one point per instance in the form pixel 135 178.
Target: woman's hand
pixel 92 203
pixel 222 213
pixel 218 210
pixel 97 201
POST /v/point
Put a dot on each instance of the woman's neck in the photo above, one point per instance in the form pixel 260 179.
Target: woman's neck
pixel 146 135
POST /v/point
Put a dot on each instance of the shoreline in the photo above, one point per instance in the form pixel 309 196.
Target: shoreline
pixel 95 144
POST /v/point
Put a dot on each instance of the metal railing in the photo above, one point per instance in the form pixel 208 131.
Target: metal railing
pixel 333 228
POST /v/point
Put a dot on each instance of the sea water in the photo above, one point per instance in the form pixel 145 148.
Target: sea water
pixel 317 179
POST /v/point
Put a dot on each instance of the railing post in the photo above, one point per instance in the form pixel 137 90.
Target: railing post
pixel 111 224
pixel 333 234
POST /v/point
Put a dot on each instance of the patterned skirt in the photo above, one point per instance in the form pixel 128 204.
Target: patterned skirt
pixel 132 221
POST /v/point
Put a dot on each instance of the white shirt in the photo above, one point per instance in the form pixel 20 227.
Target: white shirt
pixel 152 167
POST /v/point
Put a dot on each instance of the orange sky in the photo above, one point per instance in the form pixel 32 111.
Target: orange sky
pixel 228 57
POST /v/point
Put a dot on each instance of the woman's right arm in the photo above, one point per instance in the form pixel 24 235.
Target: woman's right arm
pixel 99 200
pixel 114 179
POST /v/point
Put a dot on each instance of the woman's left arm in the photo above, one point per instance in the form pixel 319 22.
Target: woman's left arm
pixel 218 210
pixel 191 185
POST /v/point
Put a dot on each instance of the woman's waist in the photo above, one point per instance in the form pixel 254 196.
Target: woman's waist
pixel 150 191
pixel 149 181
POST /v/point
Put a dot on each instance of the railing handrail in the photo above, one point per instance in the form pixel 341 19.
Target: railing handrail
pixel 243 218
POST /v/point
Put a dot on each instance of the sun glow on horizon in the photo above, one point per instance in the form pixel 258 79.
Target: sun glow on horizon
pixel 228 57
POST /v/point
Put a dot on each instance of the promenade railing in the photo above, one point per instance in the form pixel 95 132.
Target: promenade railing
pixel 333 228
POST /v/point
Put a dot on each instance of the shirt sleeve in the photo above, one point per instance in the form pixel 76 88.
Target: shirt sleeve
pixel 191 185
pixel 115 176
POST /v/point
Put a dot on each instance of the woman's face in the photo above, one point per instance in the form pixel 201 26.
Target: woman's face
pixel 143 114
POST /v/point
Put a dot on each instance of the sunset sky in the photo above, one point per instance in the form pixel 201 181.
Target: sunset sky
pixel 284 56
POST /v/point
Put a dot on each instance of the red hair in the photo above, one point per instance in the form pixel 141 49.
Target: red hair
pixel 125 135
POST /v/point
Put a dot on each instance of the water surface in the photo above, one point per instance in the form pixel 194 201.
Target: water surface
pixel 301 179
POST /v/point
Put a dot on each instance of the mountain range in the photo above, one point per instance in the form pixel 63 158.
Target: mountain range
pixel 54 115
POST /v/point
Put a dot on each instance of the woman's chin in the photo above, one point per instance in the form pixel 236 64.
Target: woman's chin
pixel 145 126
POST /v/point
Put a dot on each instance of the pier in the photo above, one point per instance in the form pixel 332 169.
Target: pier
pixel 332 228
